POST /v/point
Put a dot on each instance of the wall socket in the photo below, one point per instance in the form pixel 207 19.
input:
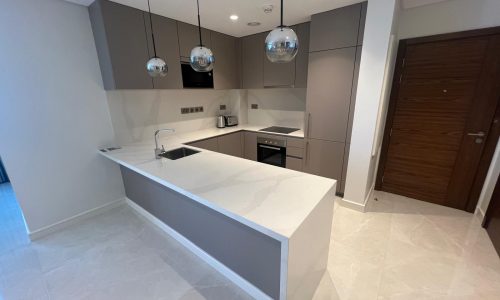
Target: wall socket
pixel 254 106
pixel 191 110
pixel 222 107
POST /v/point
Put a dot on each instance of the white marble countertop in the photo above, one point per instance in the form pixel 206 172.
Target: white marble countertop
pixel 272 200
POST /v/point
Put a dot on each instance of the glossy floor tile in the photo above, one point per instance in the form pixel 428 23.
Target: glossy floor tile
pixel 400 249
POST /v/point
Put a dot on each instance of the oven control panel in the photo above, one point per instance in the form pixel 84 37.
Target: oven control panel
pixel 271 142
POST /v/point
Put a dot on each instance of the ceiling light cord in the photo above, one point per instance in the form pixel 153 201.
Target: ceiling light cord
pixel 151 26
pixel 199 23
pixel 281 14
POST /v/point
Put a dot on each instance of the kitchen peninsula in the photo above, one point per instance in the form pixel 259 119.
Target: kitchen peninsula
pixel 266 228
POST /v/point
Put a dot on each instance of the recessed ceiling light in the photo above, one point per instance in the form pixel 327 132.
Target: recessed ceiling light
pixel 233 17
pixel 253 23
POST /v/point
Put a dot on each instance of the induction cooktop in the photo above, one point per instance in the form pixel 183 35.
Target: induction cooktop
pixel 277 129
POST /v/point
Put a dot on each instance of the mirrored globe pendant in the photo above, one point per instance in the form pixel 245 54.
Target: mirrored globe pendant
pixel 157 67
pixel 281 45
pixel 202 59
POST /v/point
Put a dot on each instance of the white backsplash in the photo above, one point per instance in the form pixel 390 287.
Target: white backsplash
pixel 136 114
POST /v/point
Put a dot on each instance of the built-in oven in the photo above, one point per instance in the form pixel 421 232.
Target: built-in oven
pixel 271 151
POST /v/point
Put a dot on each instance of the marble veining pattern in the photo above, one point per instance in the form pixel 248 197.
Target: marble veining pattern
pixel 400 249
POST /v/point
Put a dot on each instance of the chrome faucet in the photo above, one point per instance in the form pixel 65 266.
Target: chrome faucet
pixel 159 151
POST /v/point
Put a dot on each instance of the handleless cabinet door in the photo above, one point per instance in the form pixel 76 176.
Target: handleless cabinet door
pixel 208 144
pixel 167 48
pixel 226 73
pixel 252 61
pixel 302 58
pixel 335 29
pixel 324 158
pixel 329 93
pixel 250 146
pixel 231 144
pixel 189 38
pixel 352 105
pixel 294 163
pixel 362 22
pixel 121 43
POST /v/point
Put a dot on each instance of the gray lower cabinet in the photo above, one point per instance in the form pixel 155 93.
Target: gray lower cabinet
pixel 208 144
pixel 250 149
pixel 231 144
pixel 189 38
pixel 252 61
pixel 335 29
pixel 294 163
pixel 226 67
pixel 167 48
pixel 324 158
pixel 329 93
pixel 121 45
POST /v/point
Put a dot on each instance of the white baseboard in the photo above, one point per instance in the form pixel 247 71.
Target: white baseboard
pixel 479 213
pixel 361 207
pixel 39 233
pixel 228 273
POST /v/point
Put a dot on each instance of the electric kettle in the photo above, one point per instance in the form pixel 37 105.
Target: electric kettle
pixel 221 122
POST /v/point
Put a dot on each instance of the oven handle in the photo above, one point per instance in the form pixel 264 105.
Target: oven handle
pixel 269 147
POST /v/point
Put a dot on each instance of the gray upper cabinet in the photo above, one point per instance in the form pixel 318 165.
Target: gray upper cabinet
pixel 279 74
pixel 362 22
pixel 226 50
pixel 189 38
pixel 167 48
pixel 302 58
pixel 335 29
pixel 329 93
pixel 121 45
pixel 252 61
pixel 352 105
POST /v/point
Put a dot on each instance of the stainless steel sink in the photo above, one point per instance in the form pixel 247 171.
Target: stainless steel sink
pixel 178 153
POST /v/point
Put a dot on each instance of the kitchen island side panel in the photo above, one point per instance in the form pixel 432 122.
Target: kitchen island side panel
pixel 254 256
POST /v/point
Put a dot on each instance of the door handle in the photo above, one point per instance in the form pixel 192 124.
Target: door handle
pixel 478 134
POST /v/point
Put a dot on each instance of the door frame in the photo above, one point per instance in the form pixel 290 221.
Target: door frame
pixel 398 72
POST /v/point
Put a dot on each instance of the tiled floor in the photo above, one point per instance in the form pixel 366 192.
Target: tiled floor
pixel 402 249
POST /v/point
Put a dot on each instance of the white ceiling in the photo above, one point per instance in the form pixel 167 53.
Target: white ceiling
pixel 215 13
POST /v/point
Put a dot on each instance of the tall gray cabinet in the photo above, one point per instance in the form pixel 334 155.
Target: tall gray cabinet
pixel 227 61
pixel 334 52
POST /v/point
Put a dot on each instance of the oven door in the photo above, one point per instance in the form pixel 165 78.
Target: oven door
pixel 271 155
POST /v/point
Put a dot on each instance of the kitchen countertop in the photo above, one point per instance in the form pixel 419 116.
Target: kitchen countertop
pixel 272 200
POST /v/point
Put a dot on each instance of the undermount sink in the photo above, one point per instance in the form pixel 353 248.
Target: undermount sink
pixel 178 153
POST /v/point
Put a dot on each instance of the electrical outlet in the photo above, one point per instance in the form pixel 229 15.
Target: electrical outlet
pixel 201 109
pixel 222 107
pixel 184 110
pixel 191 110
pixel 255 106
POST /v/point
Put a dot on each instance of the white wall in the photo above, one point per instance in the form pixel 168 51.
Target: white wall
pixel 449 16
pixel 137 114
pixel 53 112
pixel 381 21
pixel 490 182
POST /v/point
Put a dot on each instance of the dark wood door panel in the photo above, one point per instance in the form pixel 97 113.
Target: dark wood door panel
pixel 445 90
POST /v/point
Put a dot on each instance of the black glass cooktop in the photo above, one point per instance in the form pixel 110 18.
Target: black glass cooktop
pixel 277 129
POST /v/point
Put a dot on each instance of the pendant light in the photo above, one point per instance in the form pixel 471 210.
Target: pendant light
pixel 156 66
pixel 202 59
pixel 281 43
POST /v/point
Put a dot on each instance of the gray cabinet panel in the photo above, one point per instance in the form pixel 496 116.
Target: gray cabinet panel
pixel 279 74
pixel 346 160
pixel 252 61
pixel 293 163
pixel 324 158
pixel 335 29
pixel 189 38
pixel 226 73
pixel 231 144
pixel 167 48
pixel 208 144
pixel 250 151
pixel 329 93
pixel 354 93
pixel 362 23
pixel 302 58
pixel 121 45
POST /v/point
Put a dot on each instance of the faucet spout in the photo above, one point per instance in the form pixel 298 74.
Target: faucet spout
pixel 159 151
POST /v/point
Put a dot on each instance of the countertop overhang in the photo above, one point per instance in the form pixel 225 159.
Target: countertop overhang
pixel 272 200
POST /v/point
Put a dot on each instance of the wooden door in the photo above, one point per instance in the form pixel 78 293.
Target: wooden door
pixel 492 218
pixel 443 101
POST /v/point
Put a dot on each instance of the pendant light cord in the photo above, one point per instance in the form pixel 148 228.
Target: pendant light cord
pixel 151 26
pixel 281 15
pixel 199 23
